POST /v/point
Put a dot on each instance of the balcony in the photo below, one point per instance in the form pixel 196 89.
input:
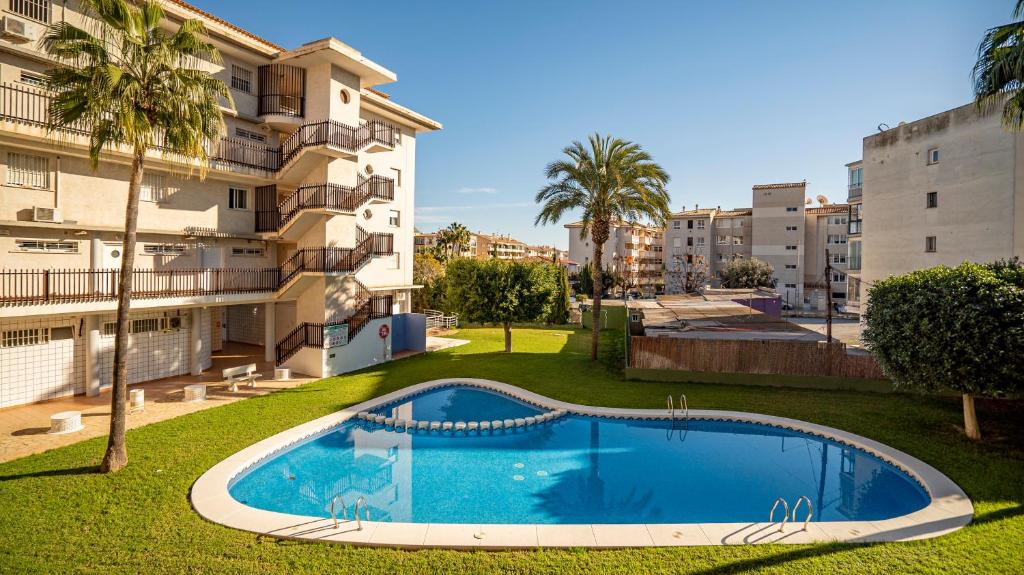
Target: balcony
pixel 30 107
pixel 281 102
pixel 856 191
pixel 311 335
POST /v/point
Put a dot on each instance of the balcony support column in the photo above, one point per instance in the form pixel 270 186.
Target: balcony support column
pixel 196 340
pixel 269 332
pixel 92 355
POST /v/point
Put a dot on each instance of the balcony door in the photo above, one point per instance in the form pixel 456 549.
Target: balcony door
pixel 210 258
pixel 105 278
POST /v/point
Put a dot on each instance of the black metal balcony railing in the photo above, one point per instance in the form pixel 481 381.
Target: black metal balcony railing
pixel 30 106
pixel 309 334
pixel 59 286
pixel 337 260
pixel 335 197
pixel 282 90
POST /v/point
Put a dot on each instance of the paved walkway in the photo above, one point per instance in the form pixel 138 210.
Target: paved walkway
pixel 23 428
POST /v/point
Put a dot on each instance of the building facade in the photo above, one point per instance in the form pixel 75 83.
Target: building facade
pixel 299 239
pixel 826 255
pixel 632 249
pixel 777 234
pixel 939 191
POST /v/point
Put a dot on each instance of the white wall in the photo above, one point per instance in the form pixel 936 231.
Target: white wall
pixel 33 373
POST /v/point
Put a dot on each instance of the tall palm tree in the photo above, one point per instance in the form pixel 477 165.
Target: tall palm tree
pixel 132 85
pixel 999 73
pixel 453 240
pixel 611 180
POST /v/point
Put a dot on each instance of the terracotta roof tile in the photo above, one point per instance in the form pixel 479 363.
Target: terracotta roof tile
pixel 219 20
pixel 781 186
pixel 829 209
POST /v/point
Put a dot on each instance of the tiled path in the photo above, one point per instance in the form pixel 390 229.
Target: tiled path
pixel 23 428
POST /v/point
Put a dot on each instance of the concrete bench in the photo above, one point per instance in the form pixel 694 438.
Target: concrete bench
pixel 242 373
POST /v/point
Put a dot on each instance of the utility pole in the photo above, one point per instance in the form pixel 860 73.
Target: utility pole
pixel 828 296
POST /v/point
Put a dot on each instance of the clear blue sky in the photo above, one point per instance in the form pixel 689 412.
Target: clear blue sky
pixel 724 94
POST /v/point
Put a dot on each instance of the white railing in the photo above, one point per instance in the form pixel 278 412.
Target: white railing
pixel 437 319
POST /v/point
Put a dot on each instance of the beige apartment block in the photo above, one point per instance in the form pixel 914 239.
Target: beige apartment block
pixel 299 240
pixel 826 255
pixel 939 191
pixel 631 248
pixel 503 247
pixel 777 235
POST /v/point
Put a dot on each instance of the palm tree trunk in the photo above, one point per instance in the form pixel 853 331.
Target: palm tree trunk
pixel 971 427
pixel 116 456
pixel 598 290
pixel 508 337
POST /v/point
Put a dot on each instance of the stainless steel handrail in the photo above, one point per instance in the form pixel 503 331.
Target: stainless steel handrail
pixel 355 511
pixel 684 406
pixel 344 511
pixel 785 513
pixel 810 510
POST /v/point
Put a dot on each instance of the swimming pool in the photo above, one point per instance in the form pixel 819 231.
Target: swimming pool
pixel 589 467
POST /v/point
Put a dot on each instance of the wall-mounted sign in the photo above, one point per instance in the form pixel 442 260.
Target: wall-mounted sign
pixel 335 335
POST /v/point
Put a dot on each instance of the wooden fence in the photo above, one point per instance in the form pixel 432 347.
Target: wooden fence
pixel 751 356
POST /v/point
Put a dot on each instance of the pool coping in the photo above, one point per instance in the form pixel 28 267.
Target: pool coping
pixel 949 510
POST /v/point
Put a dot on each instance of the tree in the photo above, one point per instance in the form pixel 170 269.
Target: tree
pixel 611 181
pixel 498 291
pixel 688 273
pixel 958 329
pixel 558 307
pixel 999 72
pixel 429 273
pixel 132 85
pixel 748 273
pixel 453 240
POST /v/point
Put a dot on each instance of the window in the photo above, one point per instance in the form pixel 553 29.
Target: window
pixel 249 135
pixel 929 244
pixel 398 177
pixel 28 170
pixel 689 241
pixel 791 248
pixel 38 10
pixel 153 189
pixel 238 198
pixel 790 228
pixel 792 209
pixel 838 277
pixel 110 328
pixel 145 325
pixel 700 224
pixel 737 240
pixel 836 239
pixel 700 241
pixel 856 178
pixel 933 156
pixel 723 240
pixel 248 252
pixel 634 317
pixel 49 246
pixel 790 266
pixel 676 224
pixel 837 220
pixel 791 285
pixel 164 249
pixel 931 200
pixel 839 258
pixel 241 79
pixel 394 218
pixel 689 224
pixel 20 337
pixel 32 79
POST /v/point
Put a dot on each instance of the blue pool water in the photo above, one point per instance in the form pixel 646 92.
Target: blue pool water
pixel 577 469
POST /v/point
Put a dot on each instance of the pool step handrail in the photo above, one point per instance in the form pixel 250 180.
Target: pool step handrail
pixel 344 511
pixel 684 407
pixel 355 511
pixel 785 513
pixel 810 510
pixel 671 408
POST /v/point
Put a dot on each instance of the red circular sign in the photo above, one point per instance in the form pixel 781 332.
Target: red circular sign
pixel 384 331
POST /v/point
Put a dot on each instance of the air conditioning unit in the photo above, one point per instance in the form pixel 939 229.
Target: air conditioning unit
pixel 51 215
pixel 17 29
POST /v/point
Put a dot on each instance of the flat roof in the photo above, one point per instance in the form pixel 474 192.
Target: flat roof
pixel 717 316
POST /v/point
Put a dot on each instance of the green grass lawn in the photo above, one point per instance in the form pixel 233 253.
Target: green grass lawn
pixel 58 516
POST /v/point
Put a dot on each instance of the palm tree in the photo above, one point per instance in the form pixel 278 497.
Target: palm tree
pixel 130 85
pixel 453 240
pixel 612 180
pixel 999 73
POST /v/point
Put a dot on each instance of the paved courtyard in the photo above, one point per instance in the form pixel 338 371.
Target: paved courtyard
pixel 845 330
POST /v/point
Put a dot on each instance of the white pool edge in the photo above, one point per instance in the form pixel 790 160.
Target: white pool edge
pixel 949 510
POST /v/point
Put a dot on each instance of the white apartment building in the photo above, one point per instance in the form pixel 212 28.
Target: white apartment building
pixel 855 199
pixel 631 248
pixel 939 191
pixel 299 240
pixel 777 235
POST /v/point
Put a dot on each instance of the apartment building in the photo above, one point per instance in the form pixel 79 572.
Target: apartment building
pixel 826 255
pixel 503 247
pixel 633 249
pixel 777 235
pixel 705 237
pixel 939 191
pixel 427 243
pixel 299 239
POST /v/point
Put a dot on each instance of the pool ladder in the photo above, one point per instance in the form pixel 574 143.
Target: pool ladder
pixel 344 510
pixel 787 514
pixel 684 408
